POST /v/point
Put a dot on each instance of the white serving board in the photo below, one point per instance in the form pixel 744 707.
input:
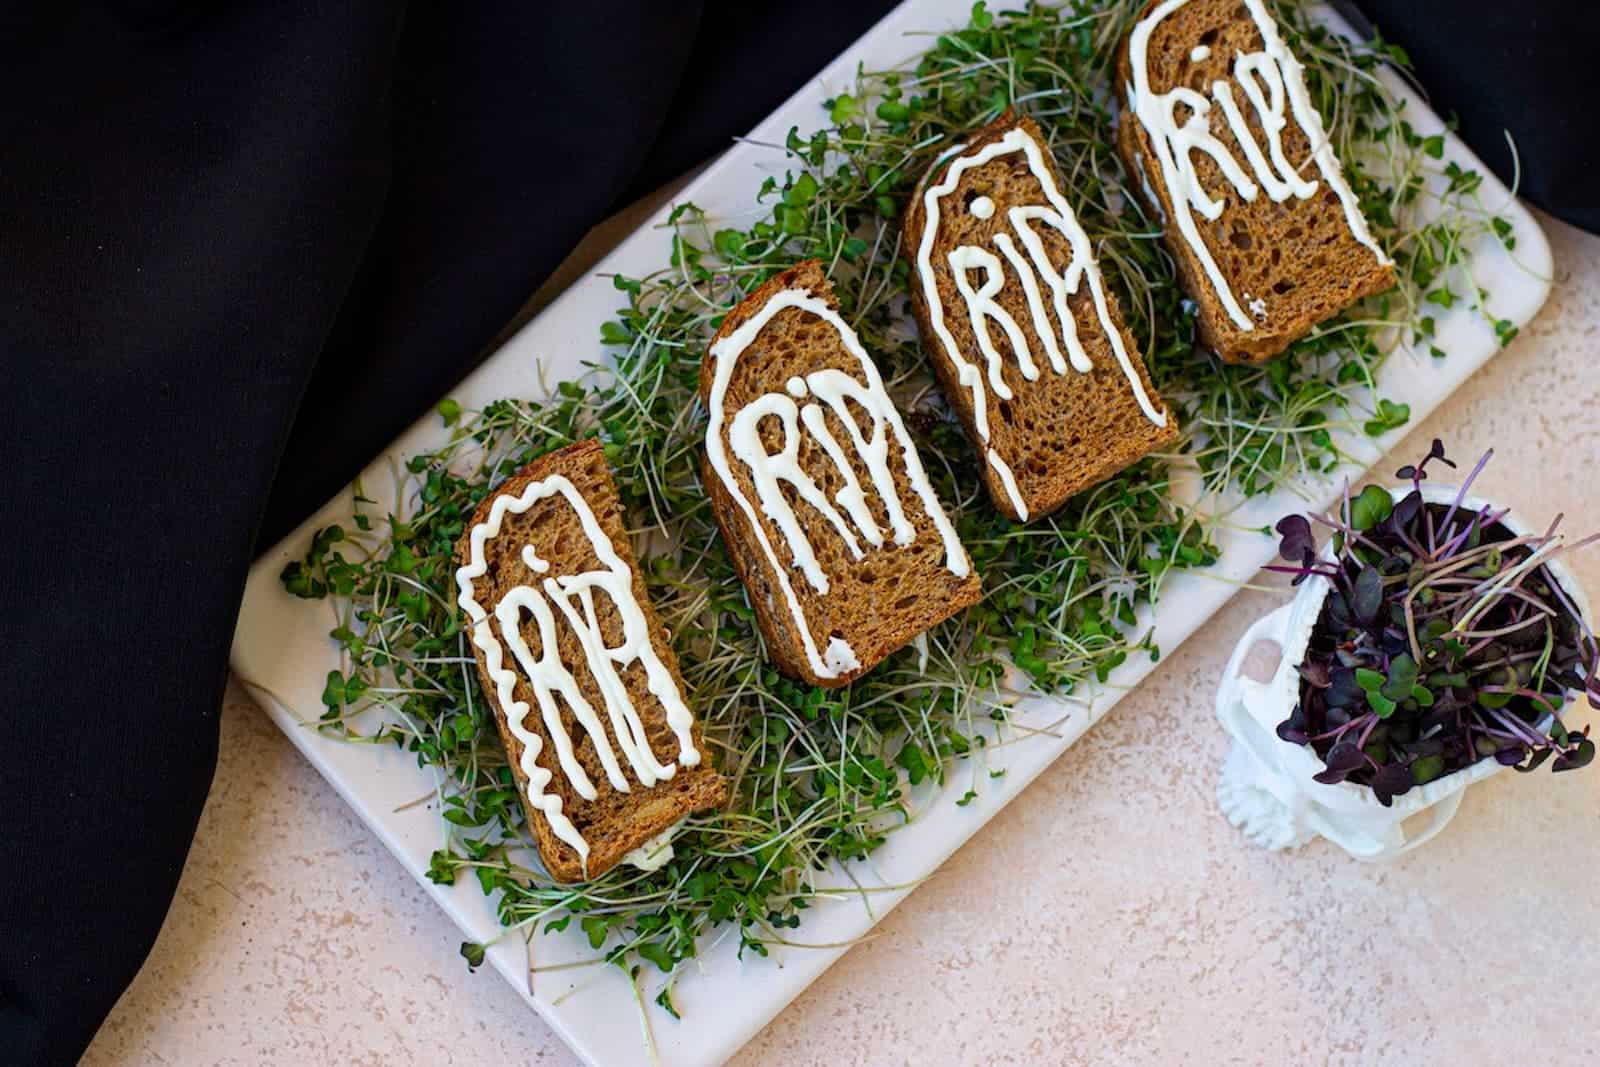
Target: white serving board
pixel 282 651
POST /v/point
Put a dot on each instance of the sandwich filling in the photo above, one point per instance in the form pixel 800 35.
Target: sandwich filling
pixel 574 598
pixel 1029 264
pixel 1272 81
pixel 802 408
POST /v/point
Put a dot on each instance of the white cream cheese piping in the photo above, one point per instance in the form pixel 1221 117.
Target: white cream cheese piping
pixel 548 677
pixel 1273 81
pixel 839 393
pixel 982 308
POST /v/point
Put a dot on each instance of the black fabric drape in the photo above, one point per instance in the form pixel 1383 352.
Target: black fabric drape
pixel 243 244
pixel 1528 69
pixel 185 199
pixel 515 130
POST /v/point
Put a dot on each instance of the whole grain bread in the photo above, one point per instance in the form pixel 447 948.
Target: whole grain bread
pixel 877 603
pixel 614 822
pixel 1060 433
pixel 1292 264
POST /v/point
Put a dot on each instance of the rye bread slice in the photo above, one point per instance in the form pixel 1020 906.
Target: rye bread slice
pixel 614 822
pixel 877 603
pixel 1289 265
pixel 1062 432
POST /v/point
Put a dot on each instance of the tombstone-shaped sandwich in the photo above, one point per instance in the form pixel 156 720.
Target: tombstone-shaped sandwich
pixel 817 487
pixel 585 688
pixel 1226 144
pixel 1026 339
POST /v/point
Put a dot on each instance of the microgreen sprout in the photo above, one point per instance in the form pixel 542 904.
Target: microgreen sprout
pixel 1445 639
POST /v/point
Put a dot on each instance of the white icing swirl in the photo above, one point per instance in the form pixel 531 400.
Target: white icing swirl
pixel 1273 81
pixel 548 677
pixel 839 393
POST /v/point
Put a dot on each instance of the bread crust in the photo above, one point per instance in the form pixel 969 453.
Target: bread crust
pixel 1062 433
pixel 614 823
pixel 1305 245
pixel 863 613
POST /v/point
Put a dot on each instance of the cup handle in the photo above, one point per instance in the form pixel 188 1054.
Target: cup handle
pixel 1253 793
pixel 1443 812
pixel 1254 696
pixel 1268 627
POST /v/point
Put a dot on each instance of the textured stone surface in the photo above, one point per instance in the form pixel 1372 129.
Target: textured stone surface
pixel 1109 914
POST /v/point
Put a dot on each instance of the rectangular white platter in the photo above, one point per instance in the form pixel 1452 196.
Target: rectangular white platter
pixel 281 648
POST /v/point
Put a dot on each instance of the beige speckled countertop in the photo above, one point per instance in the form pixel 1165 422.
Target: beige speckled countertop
pixel 1109 914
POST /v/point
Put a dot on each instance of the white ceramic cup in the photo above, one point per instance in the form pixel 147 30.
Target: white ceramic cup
pixel 1267 789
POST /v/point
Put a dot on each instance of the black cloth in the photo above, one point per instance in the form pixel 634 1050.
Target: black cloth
pixel 1526 68
pixel 241 246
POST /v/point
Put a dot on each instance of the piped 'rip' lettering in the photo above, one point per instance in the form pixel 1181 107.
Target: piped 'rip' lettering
pixel 1030 264
pixel 808 401
pixel 1273 81
pixel 574 597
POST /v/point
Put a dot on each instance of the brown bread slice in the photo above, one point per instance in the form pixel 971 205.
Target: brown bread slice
pixel 877 603
pixel 1060 433
pixel 1299 257
pixel 614 823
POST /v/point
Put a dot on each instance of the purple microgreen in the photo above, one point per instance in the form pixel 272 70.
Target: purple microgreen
pixel 1444 639
pixel 1391 780
pixel 1466 483
pixel 1420 470
pixel 1297 542
pixel 1315 674
pixel 1368 598
pixel 1579 756
pixel 1293 729
pixel 1343 689
pixel 1511 754
pixel 1400 519
pixel 1538 757
pixel 1341 760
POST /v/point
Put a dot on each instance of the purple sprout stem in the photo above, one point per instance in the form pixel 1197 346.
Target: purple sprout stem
pixel 1461 493
pixel 1481 520
pixel 1490 731
pixel 1551 702
pixel 1444 570
pixel 1525 599
pixel 1351 535
pixel 1473 650
pixel 1433 537
pixel 1496 588
pixel 1366 733
pixel 1521 730
pixel 1457 581
pixel 1414 545
pixel 1585 634
pixel 1301 571
pixel 1501 631
pixel 1340 730
pixel 1349 515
